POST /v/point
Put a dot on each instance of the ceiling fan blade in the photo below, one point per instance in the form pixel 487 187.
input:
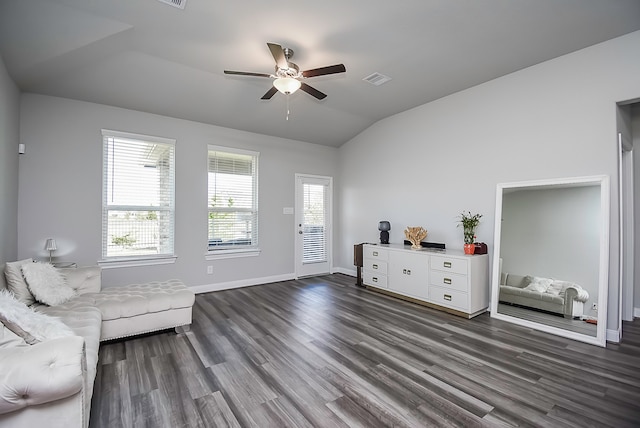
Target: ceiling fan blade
pixel 313 91
pixel 246 73
pixel 278 55
pixel 332 69
pixel 271 92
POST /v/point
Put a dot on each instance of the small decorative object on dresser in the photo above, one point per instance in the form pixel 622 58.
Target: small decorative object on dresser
pixel 469 223
pixel 384 227
pixel 415 235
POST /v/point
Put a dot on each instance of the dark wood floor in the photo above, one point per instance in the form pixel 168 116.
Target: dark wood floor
pixel 322 352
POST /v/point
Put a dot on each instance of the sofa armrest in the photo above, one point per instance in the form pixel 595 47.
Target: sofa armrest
pixel 576 293
pixel 574 298
pixel 87 279
pixel 36 374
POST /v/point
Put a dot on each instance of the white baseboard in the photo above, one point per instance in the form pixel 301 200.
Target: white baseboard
pixel 350 272
pixel 206 288
pixel 613 336
pixel 636 312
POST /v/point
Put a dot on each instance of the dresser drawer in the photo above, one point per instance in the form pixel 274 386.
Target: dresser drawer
pixel 375 266
pixel 449 264
pixel 375 253
pixel 450 298
pixel 448 280
pixel 374 279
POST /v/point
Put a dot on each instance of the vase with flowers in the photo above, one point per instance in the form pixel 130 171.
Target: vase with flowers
pixel 469 223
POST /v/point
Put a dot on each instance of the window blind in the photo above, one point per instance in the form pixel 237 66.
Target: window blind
pixel 232 199
pixel 138 195
pixel 315 227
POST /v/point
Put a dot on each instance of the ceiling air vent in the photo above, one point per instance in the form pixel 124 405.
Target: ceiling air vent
pixel 180 4
pixel 377 79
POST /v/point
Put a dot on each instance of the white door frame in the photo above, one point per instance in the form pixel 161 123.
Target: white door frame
pixel 299 271
pixel 626 232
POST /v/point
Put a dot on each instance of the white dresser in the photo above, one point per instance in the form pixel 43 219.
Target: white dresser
pixel 451 280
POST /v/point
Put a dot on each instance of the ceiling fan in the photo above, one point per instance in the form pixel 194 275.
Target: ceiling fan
pixel 288 77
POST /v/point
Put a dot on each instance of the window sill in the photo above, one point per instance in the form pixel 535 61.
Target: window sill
pixel 133 262
pixel 232 254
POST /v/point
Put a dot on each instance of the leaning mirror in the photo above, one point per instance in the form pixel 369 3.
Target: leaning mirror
pixel 551 252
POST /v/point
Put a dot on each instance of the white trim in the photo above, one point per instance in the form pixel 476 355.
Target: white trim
pixel 224 149
pixel 232 254
pixel 636 312
pixel 207 288
pixel 613 336
pixel 140 137
pixel 135 262
pixel 345 271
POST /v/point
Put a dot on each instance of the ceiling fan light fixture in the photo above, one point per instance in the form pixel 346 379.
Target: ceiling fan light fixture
pixel 287 85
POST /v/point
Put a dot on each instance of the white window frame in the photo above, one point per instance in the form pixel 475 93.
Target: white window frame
pixel 135 260
pixel 226 252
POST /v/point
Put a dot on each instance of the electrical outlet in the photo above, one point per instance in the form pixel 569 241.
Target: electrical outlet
pixel 209 270
pixel 594 307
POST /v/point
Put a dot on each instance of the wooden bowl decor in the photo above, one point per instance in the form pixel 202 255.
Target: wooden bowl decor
pixel 415 235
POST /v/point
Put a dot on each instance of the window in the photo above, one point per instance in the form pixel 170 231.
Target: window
pixel 138 196
pixel 232 200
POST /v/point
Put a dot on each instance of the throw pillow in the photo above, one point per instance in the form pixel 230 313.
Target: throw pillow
pixel 16 283
pixel 47 284
pixel 538 284
pixel 42 327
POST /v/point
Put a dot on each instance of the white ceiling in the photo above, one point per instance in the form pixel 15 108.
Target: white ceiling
pixel 146 55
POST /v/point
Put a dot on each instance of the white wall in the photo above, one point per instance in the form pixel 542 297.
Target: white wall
pixel 9 140
pixel 60 189
pixel 554 233
pixel 635 130
pixel 426 165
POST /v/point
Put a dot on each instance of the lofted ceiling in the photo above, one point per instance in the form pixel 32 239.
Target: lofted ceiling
pixel 146 55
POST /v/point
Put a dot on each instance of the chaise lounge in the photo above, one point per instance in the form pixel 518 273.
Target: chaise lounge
pixel 48 381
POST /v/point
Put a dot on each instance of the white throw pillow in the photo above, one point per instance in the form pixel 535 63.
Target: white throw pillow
pixel 47 284
pixel 538 284
pixel 16 283
pixel 40 326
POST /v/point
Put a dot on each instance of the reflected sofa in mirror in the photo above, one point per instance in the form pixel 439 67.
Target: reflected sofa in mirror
pixel 551 256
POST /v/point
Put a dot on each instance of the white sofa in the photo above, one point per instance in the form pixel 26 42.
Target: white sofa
pixel 561 297
pixel 50 384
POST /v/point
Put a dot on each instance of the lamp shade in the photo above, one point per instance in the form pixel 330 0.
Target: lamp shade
pixel 50 245
pixel 384 226
pixel 287 85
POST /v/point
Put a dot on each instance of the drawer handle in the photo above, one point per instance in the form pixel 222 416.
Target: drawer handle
pixel 447 280
pixel 374 279
pixel 447 297
pixel 375 266
pixel 447 264
pixel 375 253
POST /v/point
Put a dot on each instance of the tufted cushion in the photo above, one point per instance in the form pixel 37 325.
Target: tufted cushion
pixel 139 299
pixel 84 319
pixel 41 373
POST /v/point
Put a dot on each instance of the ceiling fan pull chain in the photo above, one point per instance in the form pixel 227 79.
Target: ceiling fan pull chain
pixel 287 107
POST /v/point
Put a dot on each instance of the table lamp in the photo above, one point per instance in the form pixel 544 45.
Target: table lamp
pixel 384 227
pixel 50 246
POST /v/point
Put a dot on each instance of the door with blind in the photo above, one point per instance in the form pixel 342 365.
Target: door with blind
pixel 313 224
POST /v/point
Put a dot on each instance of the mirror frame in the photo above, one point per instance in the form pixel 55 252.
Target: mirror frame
pixel 603 280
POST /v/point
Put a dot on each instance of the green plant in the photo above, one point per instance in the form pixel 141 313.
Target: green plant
pixel 124 241
pixel 469 222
